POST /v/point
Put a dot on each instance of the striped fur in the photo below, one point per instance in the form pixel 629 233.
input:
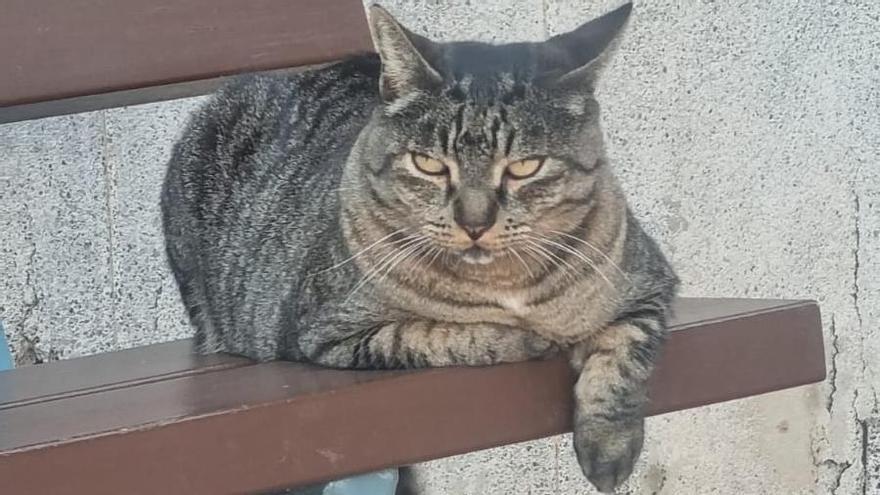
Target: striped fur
pixel 298 228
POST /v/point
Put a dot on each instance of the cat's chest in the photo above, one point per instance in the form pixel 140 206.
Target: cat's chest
pixel 569 315
pixel 562 314
pixel 515 304
pixel 565 317
pixel 459 304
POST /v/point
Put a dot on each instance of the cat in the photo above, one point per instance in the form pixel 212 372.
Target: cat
pixel 434 204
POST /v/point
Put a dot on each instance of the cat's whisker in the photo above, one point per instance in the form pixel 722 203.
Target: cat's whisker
pixel 426 251
pixel 595 249
pixel 437 254
pixel 445 258
pixel 411 253
pixel 507 254
pixel 537 256
pixel 394 250
pixel 385 261
pixel 577 254
pixel 512 250
pixel 359 253
pixel 569 270
pixel 569 273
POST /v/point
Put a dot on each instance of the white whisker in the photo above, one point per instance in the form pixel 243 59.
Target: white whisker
pixel 404 250
pixel 570 270
pixel 394 250
pixel 577 254
pixel 412 252
pixel 595 249
pixel 359 253
pixel 525 265
pixel 437 254
pixel 537 256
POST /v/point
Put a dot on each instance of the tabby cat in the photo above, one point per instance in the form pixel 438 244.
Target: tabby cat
pixel 437 204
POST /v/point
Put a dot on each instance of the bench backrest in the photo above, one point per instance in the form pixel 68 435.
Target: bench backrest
pixel 70 56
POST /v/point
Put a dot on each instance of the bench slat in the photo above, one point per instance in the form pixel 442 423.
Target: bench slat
pixel 278 424
pixel 62 50
pixel 111 370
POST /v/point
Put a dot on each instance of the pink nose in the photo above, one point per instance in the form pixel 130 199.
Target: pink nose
pixel 475 231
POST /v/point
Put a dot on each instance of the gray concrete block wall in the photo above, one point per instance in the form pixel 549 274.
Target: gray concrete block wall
pixel 747 137
pixel 82 253
pixel 55 245
pixel 147 306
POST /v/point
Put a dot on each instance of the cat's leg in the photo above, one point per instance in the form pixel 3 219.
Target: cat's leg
pixel 423 343
pixel 610 394
pixel 420 343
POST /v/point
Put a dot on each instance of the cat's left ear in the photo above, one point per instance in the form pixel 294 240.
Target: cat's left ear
pixel 405 67
pixel 579 55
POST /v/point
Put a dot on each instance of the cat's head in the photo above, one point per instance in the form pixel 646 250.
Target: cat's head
pixel 481 148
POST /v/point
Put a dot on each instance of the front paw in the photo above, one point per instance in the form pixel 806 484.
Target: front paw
pixel 607 450
pixel 537 347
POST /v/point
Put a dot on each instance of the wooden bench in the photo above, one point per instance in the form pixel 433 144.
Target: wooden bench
pixel 160 419
pixel 80 55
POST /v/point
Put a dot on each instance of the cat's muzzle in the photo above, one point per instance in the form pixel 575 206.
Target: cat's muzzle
pixel 476 255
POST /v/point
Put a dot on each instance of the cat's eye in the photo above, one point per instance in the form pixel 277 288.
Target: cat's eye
pixel 428 165
pixel 523 169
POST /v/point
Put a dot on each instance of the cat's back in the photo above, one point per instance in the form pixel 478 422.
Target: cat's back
pixel 266 147
pixel 251 189
pixel 289 126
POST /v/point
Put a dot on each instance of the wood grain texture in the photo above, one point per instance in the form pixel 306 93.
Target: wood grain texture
pixel 253 428
pixel 112 370
pixel 68 50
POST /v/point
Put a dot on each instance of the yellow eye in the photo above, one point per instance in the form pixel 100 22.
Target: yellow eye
pixel 428 165
pixel 524 169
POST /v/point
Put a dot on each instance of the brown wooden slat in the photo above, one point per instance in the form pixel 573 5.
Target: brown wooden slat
pixel 279 424
pixel 54 50
pixel 700 310
pixel 149 404
pixel 757 348
pixel 89 103
pixel 101 101
pixel 107 371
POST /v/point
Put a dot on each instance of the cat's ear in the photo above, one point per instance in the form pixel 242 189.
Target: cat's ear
pixel 404 64
pixel 583 52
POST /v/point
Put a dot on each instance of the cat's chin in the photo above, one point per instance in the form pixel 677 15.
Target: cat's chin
pixel 477 256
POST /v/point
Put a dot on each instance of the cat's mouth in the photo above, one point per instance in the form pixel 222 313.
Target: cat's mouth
pixel 476 255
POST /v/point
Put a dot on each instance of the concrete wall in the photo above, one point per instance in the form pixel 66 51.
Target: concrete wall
pixel 747 136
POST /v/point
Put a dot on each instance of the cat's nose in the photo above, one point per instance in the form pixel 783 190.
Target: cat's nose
pixel 475 231
pixel 475 211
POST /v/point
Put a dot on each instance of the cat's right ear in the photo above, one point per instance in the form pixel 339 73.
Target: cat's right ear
pixel 587 49
pixel 405 68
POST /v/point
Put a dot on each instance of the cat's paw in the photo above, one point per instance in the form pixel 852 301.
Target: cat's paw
pixel 537 347
pixel 607 450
